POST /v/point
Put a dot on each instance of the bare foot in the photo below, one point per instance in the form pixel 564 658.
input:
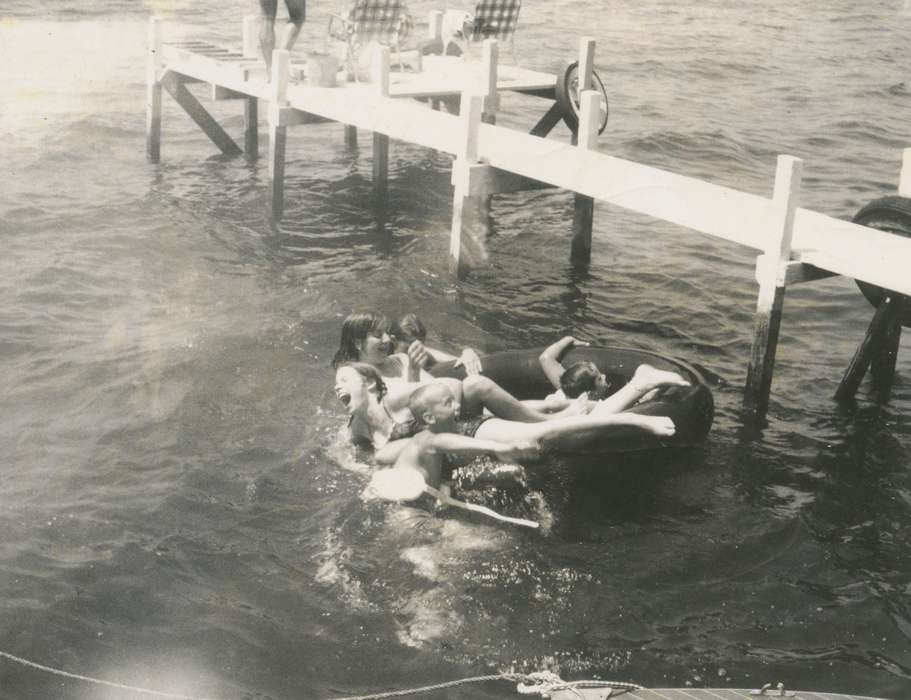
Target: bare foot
pixel 648 378
pixel 657 425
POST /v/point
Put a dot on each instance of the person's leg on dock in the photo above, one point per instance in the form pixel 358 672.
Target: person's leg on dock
pixel 296 15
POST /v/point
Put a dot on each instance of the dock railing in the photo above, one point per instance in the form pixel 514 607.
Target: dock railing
pixel 794 244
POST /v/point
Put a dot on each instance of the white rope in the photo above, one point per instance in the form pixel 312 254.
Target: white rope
pixel 542 683
pixel 437 686
pixel 96 681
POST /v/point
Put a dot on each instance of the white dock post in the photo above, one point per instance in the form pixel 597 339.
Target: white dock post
pixel 586 136
pixel 278 98
pixel 380 79
pixel 489 77
pixel 586 63
pixel 435 32
pixel 153 92
pixel 464 205
pixel 435 25
pixel 251 104
pixel 904 178
pixel 251 36
pixel 770 302
pixel 583 206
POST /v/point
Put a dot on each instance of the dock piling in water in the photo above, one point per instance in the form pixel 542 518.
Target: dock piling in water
pixel 153 91
pixel 278 100
pixel 770 302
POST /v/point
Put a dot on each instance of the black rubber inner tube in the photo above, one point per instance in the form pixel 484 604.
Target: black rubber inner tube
pixel 567 92
pixel 691 407
pixel 891 214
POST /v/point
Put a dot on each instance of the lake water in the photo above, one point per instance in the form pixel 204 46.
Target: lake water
pixel 177 509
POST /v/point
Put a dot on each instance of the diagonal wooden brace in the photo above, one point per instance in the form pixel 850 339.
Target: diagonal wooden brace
pixel 881 338
pixel 550 119
pixel 176 89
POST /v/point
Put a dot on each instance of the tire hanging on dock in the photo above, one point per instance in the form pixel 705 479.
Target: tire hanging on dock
pixel 567 90
pixel 892 214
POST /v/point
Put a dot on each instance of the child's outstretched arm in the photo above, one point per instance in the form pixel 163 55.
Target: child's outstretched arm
pixel 469 359
pixel 464 446
pixel 550 358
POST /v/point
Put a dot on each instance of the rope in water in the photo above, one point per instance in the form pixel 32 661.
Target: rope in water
pixel 97 681
pixel 542 683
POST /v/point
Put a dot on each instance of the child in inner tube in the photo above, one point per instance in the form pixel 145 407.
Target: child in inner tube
pixel 409 337
pixel 585 378
pixel 445 435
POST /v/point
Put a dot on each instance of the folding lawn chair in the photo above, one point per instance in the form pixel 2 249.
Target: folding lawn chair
pixel 386 22
pixel 492 19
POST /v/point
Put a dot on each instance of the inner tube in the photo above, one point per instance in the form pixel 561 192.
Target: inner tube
pixel 692 407
pixel 892 214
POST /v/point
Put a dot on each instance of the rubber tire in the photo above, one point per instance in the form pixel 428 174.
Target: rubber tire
pixel 567 81
pixel 893 214
pixel 692 408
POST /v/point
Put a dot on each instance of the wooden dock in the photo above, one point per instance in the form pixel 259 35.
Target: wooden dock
pixel 794 245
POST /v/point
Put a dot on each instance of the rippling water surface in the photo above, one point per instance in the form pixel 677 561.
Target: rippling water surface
pixel 176 506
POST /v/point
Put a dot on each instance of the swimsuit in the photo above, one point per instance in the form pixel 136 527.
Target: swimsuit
pixel 402 429
pixel 468 427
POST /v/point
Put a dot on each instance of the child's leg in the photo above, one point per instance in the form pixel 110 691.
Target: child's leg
pixel 645 379
pixel 480 392
pixel 571 430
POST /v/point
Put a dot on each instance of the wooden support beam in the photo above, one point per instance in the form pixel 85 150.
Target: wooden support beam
pixel 490 58
pixel 872 345
pixel 278 100
pixel 350 137
pixel 153 92
pixel 211 128
pixel 251 128
pixel 882 364
pixel 380 80
pixel 251 36
pixel 220 92
pixel 584 206
pixel 487 180
pixel 468 210
pixel 549 93
pixel 380 168
pixel 796 271
pixel 770 302
pixel 550 119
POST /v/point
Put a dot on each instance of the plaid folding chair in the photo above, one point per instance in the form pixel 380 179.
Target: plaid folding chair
pixel 497 19
pixel 492 19
pixel 386 22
